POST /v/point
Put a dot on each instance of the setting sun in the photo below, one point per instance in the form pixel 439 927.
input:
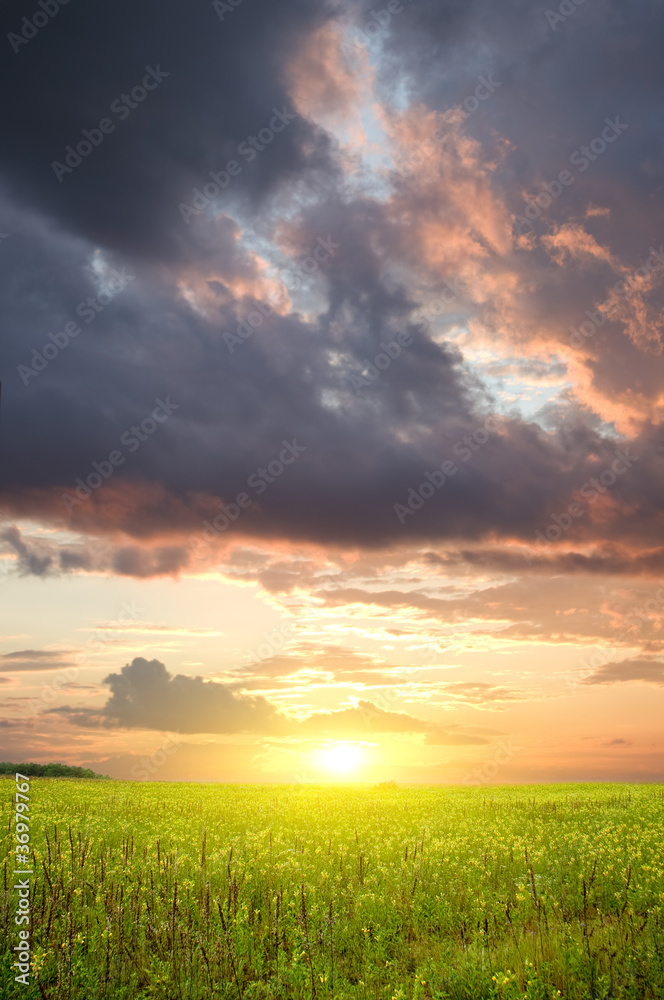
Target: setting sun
pixel 339 758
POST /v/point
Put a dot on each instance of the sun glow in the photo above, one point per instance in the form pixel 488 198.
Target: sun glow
pixel 342 759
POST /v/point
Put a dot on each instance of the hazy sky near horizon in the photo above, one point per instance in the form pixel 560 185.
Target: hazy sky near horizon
pixel 332 370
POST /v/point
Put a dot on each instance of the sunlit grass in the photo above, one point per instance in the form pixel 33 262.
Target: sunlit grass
pixel 189 892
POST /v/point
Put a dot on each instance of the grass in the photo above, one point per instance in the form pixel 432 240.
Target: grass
pixel 187 891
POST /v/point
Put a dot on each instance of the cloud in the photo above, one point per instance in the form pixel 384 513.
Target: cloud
pixel 400 241
pixel 648 671
pixel 149 628
pixel 144 695
pixel 167 145
pixel 439 737
pixel 304 659
pixel 365 716
pixel 480 693
pixel 34 557
pixel 403 240
pixel 34 660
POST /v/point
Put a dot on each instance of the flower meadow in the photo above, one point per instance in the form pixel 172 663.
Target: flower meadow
pixel 186 891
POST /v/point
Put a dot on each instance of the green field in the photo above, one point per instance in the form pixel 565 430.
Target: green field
pixel 181 891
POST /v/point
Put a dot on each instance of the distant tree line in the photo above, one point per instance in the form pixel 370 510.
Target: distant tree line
pixel 49 770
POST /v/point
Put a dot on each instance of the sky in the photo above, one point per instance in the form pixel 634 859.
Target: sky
pixel 331 356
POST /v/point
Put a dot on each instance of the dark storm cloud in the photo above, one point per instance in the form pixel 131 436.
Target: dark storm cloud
pixel 558 85
pixel 233 414
pixel 233 411
pixel 224 78
pixel 364 452
pixel 606 560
